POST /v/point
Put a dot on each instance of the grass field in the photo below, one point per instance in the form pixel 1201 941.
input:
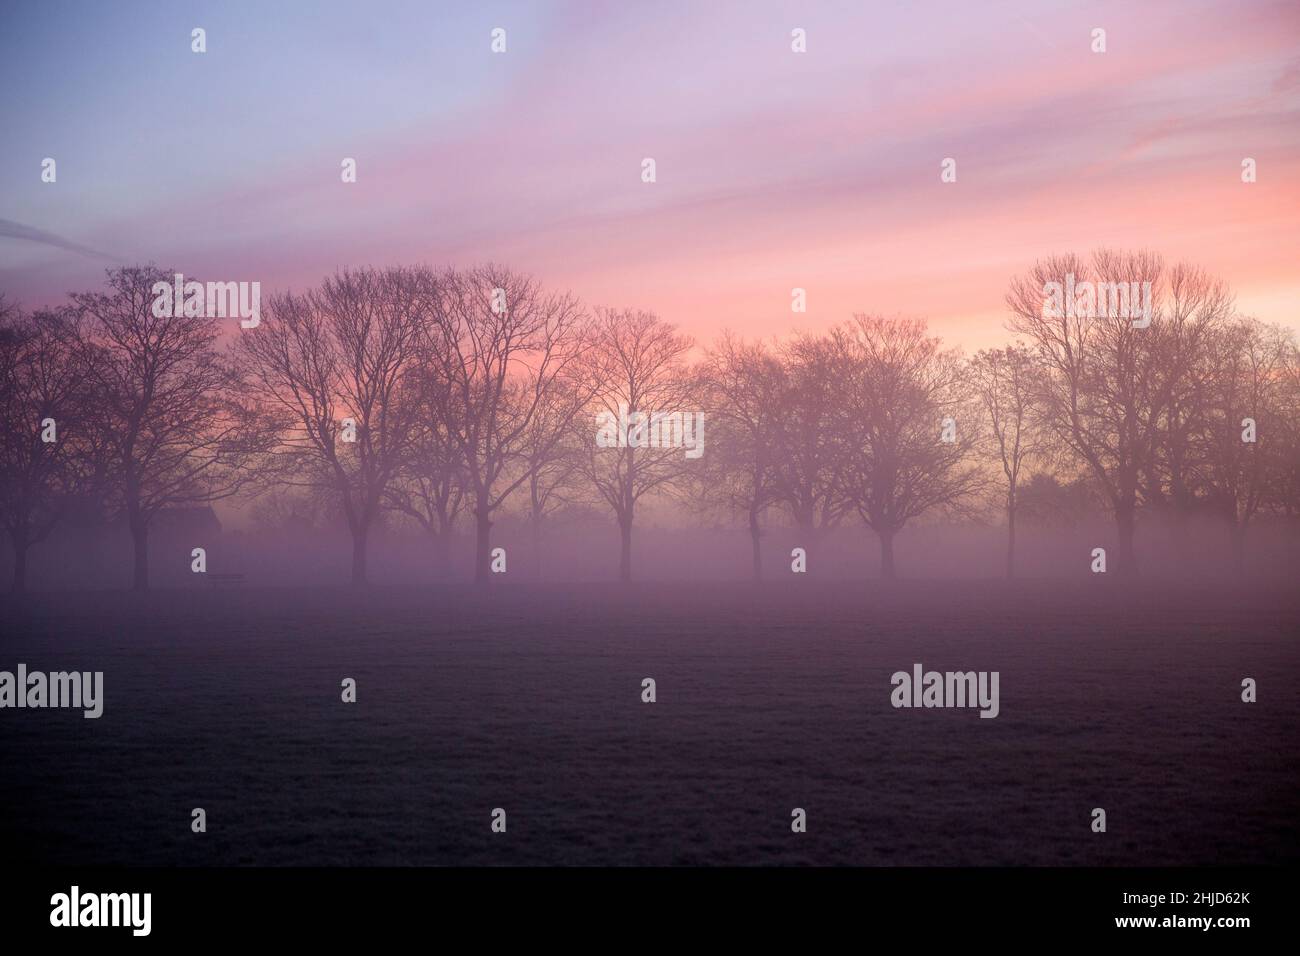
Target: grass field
pixel 768 699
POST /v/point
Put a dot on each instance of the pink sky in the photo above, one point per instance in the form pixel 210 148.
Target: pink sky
pixel 775 169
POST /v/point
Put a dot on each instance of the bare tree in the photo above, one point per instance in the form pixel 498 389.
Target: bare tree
pixel 806 464
pixel 1003 380
pixel 334 365
pixel 1284 498
pixel 897 387
pixel 1194 308
pixel 645 392
pixel 430 484
pixel 503 347
pixel 46 450
pixel 173 420
pixel 742 389
pixel 1235 454
pixel 551 452
pixel 1109 373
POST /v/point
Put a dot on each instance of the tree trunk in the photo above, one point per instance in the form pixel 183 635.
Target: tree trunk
pixel 482 546
pixel 140 544
pixel 887 568
pixel 625 551
pixel 755 532
pixel 535 522
pixel 1011 539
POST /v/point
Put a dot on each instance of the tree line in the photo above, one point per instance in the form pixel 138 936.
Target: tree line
pixel 445 396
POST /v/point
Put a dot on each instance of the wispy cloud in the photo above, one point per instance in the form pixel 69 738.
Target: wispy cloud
pixel 16 230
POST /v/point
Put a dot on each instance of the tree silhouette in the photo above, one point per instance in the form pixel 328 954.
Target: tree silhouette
pixel 1003 380
pixel 505 350
pixel 47 452
pixel 638 361
pixel 345 350
pixel 743 391
pixel 175 427
pixel 897 386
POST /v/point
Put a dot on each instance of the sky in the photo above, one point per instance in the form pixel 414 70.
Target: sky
pixel 774 169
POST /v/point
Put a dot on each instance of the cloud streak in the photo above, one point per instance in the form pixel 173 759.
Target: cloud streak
pixel 16 230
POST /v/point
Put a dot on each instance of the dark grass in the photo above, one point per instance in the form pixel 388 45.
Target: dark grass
pixel 1119 697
